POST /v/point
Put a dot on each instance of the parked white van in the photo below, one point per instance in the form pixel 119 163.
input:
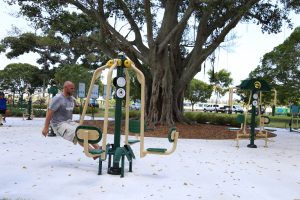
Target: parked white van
pixel 200 106
pixel 187 106
pixel 211 108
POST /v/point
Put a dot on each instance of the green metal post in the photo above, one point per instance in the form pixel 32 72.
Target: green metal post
pixel 29 108
pixel 118 115
pixel 273 110
pixel 252 130
pixel 115 169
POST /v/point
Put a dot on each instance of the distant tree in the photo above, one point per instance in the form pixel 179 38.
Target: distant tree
pixel 66 40
pixel 198 91
pixel 281 69
pixel 74 73
pixel 221 81
pixel 19 77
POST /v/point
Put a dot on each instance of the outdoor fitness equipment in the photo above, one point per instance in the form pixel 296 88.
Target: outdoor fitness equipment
pixel 53 90
pixel 29 112
pixel 294 122
pixel 256 86
pixel 89 134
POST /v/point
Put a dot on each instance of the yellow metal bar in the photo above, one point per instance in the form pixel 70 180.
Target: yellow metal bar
pixel 96 75
pixel 127 105
pixel 108 88
pixel 141 79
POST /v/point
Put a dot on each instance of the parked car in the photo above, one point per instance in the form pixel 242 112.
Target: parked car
pixel 135 106
pixel 200 106
pixel 223 109
pixel 234 109
pixel 237 109
pixel 211 108
pixel 187 106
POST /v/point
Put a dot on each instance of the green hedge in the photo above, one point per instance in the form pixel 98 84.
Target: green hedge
pixel 18 112
pixel 215 118
pixel 88 111
pixel 37 106
pixel 39 113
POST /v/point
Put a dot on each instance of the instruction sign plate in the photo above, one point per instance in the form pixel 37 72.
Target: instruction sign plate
pixel 81 90
pixel 95 92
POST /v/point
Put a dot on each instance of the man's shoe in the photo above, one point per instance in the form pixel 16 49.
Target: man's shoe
pixel 96 157
pixel 1 124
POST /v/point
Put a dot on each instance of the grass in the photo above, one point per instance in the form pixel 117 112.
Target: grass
pixel 111 113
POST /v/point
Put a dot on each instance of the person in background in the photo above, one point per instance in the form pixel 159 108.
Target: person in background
pixel 2 108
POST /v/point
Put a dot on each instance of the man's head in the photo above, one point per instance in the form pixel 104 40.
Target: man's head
pixel 69 88
pixel 1 95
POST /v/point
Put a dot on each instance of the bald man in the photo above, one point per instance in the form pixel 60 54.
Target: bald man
pixel 59 115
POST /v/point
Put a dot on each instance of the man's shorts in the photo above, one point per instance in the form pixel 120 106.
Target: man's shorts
pixel 66 130
pixel 2 112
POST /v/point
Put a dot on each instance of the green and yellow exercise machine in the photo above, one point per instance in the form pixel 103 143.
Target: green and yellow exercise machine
pixel 115 152
pixel 255 86
pixel 294 121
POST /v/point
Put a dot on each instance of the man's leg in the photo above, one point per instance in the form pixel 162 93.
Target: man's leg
pixel 5 115
pixel 70 134
pixel 91 147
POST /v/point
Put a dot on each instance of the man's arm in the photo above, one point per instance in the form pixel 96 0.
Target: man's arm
pixel 49 116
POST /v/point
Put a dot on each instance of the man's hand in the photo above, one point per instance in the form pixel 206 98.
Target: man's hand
pixel 45 131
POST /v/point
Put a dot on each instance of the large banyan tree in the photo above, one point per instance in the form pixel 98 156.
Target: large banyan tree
pixel 169 40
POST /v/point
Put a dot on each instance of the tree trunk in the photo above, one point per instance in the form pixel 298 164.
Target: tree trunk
pixel 164 104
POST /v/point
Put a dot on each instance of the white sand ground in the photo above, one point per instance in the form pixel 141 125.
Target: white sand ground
pixel 34 167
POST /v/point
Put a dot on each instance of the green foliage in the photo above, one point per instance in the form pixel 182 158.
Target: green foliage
pixel 66 39
pixel 88 111
pixel 220 80
pixel 18 76
pixel 16 112
pixel 280 68
pixel 198 91
pixel 39 112
pixel 74 73
pixel 39 106
pixel 215 118
pixel 135 87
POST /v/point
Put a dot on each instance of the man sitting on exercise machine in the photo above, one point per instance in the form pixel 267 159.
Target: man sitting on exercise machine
pixel 59 115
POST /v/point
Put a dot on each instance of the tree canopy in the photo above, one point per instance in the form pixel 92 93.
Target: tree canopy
pixel 221 80
pixel 168 40
pixel 75 73
pixel 198 91
pixel 281 68
pixel 18 77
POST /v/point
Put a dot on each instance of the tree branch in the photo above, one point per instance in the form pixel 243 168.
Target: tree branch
pixel 108 31
pixel 135 28
pixel 182 22
pixel 198 55
pixel 149 22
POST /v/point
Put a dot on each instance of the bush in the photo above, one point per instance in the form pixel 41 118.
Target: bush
pixel 133 114
pixel 39 113
pixel 88 111
pixel 37 106
pixel 215 118
pixel 16 112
